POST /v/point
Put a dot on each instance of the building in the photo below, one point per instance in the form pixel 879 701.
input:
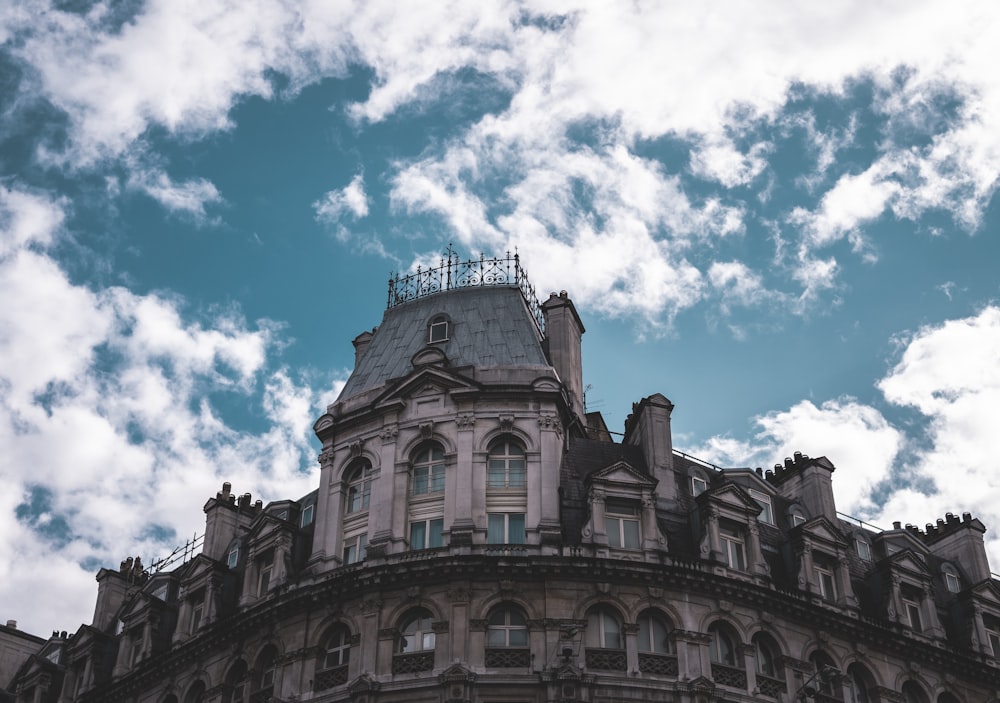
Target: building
pixel 477 535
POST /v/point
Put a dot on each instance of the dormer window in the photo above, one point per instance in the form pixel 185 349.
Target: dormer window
pixel 698 485
pixel 863 549
pixel 307 516
pixel 234 556
pixel 825 581
pixel 437 331
pixel 951 580
pixel 622 523
pixel 764 501
pixel 733 547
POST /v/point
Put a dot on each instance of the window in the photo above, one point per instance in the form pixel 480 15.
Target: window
pixel 233 560
pixel 336 648
pixel 506 466
pixel 765 657
pixel 653 633
pixel 992 625
pixel 355 548
pixel 622 523
pixel 266 565
pixel 797 517
pixel 912 693
pixel 764 501
pixel 863 549
pixel 197 610
pixel 135 639
pixel 698 485
pixel 417 632
pixel 724 645
pixel 505 528
pixel 507 627
pixel 951 580
pixel 437 331
pixel 828 676
pixel 428 470
pixel 359 486
pixel 825 582
pixel 912 609
pixel 307 516
pixel 858 683
pixel 427 534
pixel 603 629
pixel 235 688
pixel 195 694
pixel 264 671
pixel 733 550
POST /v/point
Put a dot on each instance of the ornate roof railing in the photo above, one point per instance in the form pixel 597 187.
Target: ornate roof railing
pixel 453 273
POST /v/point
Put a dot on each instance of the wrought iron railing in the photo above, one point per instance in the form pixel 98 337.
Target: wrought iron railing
pixel 453 273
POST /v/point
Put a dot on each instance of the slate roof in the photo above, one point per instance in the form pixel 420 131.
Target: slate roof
pixel 490 326
pixel 584 457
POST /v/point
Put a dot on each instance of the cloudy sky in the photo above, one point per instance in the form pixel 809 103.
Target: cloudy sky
pixel 780 215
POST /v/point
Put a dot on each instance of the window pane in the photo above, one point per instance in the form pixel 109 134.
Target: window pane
pixel 435 533
pixel 515 528
pixel 612 637
pixel 614 532
pixel 495 529
pixel 417 530
pixel 495 638
pixel 518 638
pixel 631 528
pixel 437 478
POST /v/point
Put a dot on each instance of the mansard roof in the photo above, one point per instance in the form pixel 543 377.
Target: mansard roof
pixel 488 327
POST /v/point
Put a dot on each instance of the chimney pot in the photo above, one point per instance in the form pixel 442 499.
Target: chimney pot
pixel 12 624
pixel 897 525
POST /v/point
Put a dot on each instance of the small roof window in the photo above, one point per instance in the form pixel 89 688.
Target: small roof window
pixel 438 329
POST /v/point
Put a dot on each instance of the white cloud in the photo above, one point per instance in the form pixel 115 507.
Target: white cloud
pixel 190 197
pixel 720 160
pixel 108 424
pixel 949 373
pixel 350 200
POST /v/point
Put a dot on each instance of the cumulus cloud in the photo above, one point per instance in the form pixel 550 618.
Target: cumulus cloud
pixel 351 201
pixel 107 418
pixel 906 473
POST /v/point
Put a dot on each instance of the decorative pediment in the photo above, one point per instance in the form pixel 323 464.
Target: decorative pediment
pixel 426 381
pixel 987 591
pixel 731 496
pixel 622 473
pixel 820 529
pixel 457 673
pixel 908 561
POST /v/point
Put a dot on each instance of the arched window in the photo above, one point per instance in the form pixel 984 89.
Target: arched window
pixel 415 647
pixel 416 633
pixel 769 667
pixel 507 638
pixel 654 633
pixel 603 637
pixel 724 645
pixel 428 470
pixel 263 673
pixel 506 465
pixel 655 648
pixel 860 685
pixel 196 694
pixel 170 699
pixel 235 688
pixel 826 675
pixel 913 693
pixel 359 486
pixel 507 627
pixel 726 653
pixel 334 655
pixel 947 698
pixel 233 554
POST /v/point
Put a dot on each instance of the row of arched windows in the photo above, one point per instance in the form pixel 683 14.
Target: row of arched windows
pixel 506 468
pixel 603 640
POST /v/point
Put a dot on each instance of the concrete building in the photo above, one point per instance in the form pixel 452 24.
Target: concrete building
pixel 477 535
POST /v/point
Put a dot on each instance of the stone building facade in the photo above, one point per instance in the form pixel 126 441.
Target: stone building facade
pixel 476 535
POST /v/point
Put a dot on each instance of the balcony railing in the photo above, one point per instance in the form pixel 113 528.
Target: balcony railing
pixel 412 663
pixel 608 659
pixel 662 664
pixel 328 678
pixel 453 273
pixel 729 675
pixel 507 658
pixel 770 687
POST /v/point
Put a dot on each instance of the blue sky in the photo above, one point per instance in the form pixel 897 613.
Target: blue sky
pixel 784 219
